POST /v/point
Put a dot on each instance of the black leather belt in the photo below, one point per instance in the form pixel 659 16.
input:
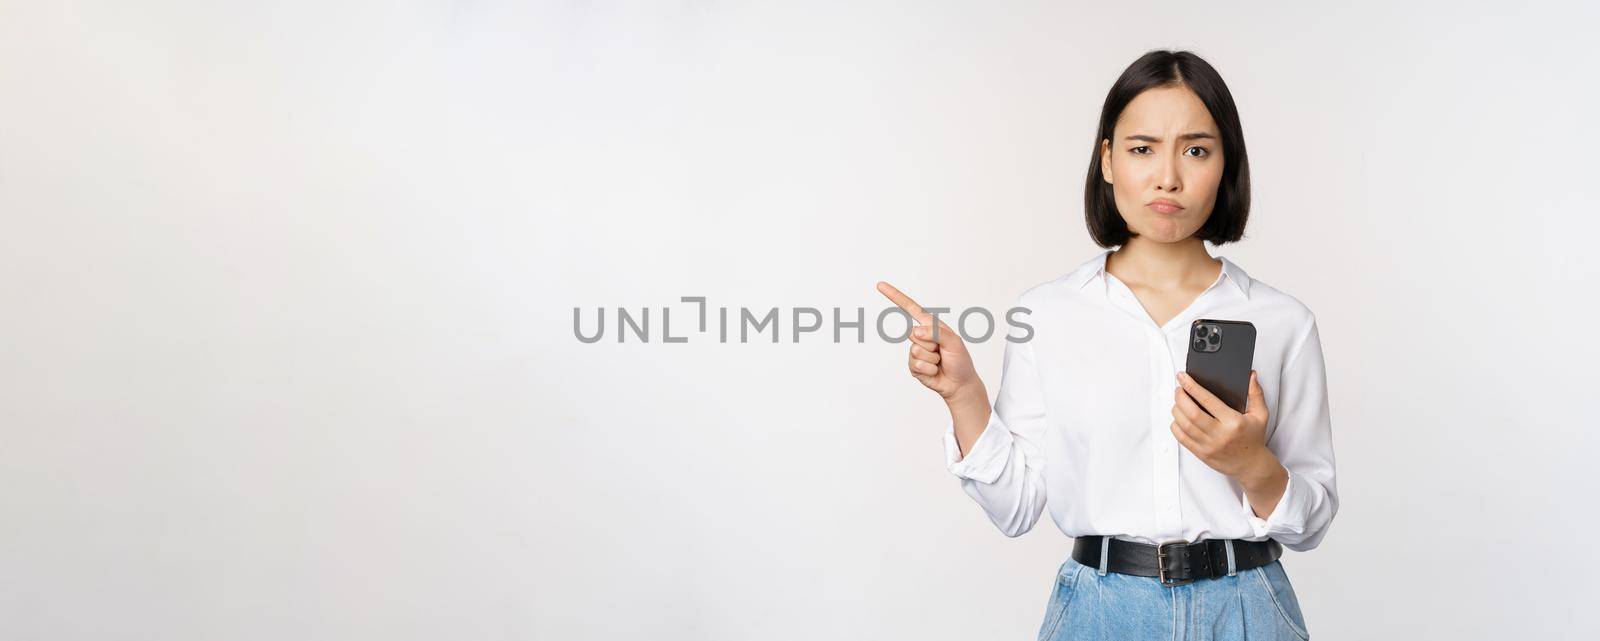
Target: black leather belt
pixel 1177 562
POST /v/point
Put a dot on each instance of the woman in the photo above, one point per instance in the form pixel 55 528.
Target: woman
pixel 1179 505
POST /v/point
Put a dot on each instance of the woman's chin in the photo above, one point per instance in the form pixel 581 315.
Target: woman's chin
pixel 1165 233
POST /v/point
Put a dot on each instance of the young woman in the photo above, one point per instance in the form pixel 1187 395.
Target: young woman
pixel 1179 505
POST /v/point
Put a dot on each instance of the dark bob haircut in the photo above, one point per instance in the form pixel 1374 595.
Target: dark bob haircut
pixel 1165 69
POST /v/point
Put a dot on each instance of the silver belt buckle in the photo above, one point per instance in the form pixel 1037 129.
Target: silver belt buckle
pixel 1161 565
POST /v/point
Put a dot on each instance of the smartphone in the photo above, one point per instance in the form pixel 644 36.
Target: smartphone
pixel 1220 356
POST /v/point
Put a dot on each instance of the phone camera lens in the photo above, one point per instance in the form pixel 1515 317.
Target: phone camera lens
pixel 1214 339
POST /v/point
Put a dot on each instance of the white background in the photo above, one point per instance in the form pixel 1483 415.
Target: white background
pixel 287 303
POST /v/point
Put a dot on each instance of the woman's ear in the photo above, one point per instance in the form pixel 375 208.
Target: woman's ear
pixel 1105 161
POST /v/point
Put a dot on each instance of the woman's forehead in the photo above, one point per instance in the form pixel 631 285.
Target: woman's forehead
pixel 1166 109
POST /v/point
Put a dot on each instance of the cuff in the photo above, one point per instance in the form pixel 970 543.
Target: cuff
pixel 988 456
pixel 1286 517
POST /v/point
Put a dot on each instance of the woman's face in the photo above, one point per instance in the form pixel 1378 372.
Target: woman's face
pixel 1164 163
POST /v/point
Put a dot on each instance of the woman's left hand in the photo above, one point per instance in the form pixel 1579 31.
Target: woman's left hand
pixel 1230 442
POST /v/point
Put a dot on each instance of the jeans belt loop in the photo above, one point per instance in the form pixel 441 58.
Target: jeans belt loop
pixel 1105 554
pixel 1232 565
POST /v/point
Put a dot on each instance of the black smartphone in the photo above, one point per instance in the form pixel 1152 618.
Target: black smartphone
pixel 1220 356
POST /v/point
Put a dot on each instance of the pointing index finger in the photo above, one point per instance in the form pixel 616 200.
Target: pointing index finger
pixel 904 302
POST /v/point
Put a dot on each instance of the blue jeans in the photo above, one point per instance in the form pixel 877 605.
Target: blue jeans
pixel 1257 603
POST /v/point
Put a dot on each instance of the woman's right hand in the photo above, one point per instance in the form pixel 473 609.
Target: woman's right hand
pixel 943 365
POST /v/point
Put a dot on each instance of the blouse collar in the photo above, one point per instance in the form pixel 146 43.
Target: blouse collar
pixel 1095 269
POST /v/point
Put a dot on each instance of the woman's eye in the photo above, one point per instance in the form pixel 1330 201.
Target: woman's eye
pixel 1141 150
pixel 1197 152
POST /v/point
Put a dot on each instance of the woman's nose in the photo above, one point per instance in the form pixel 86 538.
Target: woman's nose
pixel 1168 179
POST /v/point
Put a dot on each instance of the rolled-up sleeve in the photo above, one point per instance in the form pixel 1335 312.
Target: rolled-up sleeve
pixel 1303 443
pixel 1004 470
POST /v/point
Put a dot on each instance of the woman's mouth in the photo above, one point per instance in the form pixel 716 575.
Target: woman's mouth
pixel 1165 206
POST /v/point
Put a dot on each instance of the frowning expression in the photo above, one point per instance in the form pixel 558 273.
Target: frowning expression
pixel 1164 163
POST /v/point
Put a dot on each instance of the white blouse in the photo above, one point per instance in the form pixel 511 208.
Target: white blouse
pixel 1082 414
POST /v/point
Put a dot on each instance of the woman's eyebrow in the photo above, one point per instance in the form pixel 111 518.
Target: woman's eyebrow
pixel 1195 135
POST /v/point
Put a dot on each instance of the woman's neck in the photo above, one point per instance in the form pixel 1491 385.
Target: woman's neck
pixel 1141 262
